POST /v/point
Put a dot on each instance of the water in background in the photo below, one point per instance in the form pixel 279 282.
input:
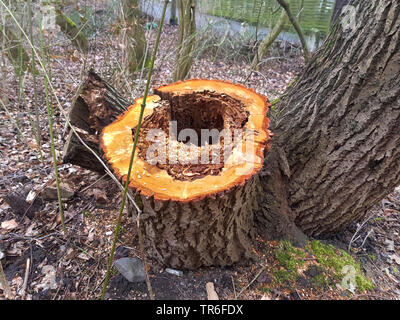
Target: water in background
pixel 312 15
pixel 242 16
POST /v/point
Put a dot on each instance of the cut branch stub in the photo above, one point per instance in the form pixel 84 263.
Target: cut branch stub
pixel 96 105
pixel 198 196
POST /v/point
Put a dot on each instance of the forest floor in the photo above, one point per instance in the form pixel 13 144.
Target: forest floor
pixel 74 266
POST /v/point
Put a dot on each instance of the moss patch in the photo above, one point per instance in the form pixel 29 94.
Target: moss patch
pixel 335 261
pixel 290 260
pixel 323 265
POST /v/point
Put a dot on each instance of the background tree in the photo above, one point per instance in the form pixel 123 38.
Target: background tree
pixel 186 39
pixel 284 18
pixel 336 131
pixel 285 5
pixel 72 31
pixel 172 19
pixel 14 49
pixel 133 35
pixel 269 39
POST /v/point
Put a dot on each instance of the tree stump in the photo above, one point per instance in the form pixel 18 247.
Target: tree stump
pixel 197 197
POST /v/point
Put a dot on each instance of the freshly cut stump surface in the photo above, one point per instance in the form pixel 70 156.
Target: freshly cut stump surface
pixel 201 146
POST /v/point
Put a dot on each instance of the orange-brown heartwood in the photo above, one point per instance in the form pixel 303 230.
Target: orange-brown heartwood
pixel 192 216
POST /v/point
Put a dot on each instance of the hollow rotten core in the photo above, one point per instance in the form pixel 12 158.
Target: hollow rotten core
pixel 185 133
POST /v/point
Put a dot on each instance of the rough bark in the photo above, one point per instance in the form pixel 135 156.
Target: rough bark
pixel 96 105
pixel 339 5
pixel 337 129
pixel 186 39
pixel 213 231
pixel 133 36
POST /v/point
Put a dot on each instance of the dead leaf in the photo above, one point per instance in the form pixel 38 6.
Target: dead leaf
pixel 100 196
pixel 30 197
pixel 83 256
pixel 49 279
pixel 9 224
pixel 390 244
pixel 395 258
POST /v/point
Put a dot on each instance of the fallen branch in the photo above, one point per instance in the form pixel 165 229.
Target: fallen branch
pixel 211 294
pixel 25 284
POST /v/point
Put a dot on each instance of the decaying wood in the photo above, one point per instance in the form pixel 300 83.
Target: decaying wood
pixel 211 294
pixel 205 218
pixel 96 104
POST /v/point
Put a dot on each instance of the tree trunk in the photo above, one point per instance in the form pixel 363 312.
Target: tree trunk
pixel 72 31
pixel 339 5
pixel 336 131
pixel 14 49
pixel 173 20
pixel 133 36
pixel 96 105
pixel 214 231
pixel 186 39
pixel 269 40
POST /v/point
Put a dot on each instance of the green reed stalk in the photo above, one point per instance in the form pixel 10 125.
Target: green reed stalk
pixel 143 106
pixel 50 120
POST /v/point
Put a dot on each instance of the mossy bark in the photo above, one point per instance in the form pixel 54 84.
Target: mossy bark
pixel 72 31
